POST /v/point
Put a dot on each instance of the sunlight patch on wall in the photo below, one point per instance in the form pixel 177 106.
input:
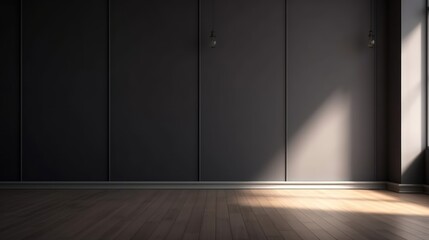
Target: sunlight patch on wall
pixel 413 88
pixel 326 136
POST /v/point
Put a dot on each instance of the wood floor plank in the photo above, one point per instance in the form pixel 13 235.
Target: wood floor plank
pixel 208 227
pixel 321 220
pixel 213 214
pixel 170 217
pixel 121 220
pixel 35 205
pixel 238 228
pixel 269 227
pixel 142 215
pixel 194 225
pixel 155 219
pixel 366 225
pixel 51 214
pixel 294 216
pixel 253 227
pixel 223 226
pixel 178 229
pixel 406 230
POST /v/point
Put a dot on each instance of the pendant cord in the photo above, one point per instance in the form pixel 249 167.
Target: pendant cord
pixel 213 15
pixel 371 22
pixel 371 34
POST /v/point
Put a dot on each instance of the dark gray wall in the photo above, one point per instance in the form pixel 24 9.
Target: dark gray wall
pixel 394 91
pixel 9 90
pixel 331 91
pixel 154 90
pixel 242 91
pixel 64 90
pixel 380 87
pixel 426 173
pixel 156 98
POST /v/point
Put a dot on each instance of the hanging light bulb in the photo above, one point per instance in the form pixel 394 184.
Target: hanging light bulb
pixel 371 40
pixel 212 38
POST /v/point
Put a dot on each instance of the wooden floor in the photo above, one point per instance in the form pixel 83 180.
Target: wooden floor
pixel 212 214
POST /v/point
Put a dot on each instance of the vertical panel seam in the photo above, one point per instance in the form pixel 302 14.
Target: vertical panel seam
pixel 286 89
pixel 401 97
pixel 199 90
pixel 374 22
pixel 20 93
pixel 426 88
pixel 109 110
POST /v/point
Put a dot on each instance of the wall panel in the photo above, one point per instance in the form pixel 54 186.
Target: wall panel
pixel 331 91
pixel 154 90
pixel 243 91
pixel 65 90
pixel 413 91
pixel 9 90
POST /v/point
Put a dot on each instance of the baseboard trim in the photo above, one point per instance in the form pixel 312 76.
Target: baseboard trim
pixel 194 185
pixel 407 188
pixel 395 187
pixel 426 189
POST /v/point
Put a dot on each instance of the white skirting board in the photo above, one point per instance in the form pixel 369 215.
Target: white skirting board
pixel 401 188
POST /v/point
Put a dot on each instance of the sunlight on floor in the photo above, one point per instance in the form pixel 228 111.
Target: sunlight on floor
pixel 335 200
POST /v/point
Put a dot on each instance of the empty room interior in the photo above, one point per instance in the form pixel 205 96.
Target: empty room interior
pixel 214 119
